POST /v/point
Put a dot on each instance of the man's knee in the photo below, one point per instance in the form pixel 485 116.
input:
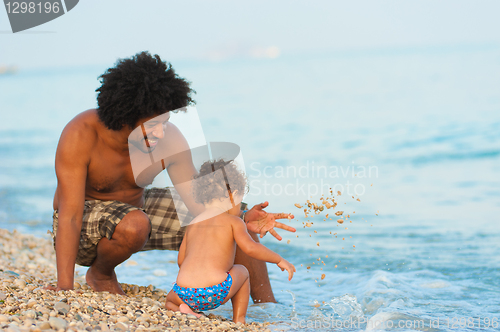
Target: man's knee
pixel 135 227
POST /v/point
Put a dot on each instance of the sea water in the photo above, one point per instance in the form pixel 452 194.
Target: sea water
pixel 413 133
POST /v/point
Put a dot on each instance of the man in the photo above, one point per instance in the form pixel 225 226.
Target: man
pixel 102 213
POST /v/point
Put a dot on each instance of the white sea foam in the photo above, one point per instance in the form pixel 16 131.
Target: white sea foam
pixel 435 284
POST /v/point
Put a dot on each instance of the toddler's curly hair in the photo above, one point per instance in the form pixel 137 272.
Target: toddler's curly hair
pixel 210 184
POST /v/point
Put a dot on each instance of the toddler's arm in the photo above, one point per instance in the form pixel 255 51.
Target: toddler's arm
pixel 257 250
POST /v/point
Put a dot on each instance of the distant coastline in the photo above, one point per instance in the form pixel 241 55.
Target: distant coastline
pixel 8 70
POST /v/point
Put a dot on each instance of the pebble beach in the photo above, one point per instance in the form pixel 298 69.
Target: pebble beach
pixel 27 265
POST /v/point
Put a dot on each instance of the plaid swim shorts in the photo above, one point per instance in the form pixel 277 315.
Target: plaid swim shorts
pixel 101 217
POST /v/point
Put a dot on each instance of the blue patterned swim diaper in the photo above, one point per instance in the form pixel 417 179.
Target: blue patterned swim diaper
pixel 206 298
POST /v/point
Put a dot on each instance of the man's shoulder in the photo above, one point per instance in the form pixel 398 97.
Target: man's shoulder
pixel 85 119
pixel 80 132
pixel 84 124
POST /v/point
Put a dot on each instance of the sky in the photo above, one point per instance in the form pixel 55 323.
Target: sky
pixel 99 32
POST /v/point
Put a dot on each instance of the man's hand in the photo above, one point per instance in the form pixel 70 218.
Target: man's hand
pixel 261 222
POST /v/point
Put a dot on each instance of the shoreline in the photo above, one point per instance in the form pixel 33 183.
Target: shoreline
pixel 27 264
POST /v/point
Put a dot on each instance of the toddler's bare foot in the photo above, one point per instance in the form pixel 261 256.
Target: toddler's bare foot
pixel 185 309
pixel 239 320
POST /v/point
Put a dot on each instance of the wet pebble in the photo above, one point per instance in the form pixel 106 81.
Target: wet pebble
pixel 30 313
pixel 62 308
pixel 20 283
pixel 121 326
pixel 12 328
pixel 57 323
pixel 43 325
pixel 4 319
pixel 31 303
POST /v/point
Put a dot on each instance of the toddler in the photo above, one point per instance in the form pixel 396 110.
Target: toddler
pixel 207 275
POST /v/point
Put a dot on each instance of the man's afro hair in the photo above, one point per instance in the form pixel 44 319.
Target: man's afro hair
pixel 140 87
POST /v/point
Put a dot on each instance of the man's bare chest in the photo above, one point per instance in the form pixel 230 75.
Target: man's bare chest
pixel 109 172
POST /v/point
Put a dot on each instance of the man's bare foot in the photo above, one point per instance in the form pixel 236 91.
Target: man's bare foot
pixel 185 309
pixel 103 283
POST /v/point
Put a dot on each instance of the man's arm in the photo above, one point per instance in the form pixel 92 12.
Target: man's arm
pixel 181 169
pixel 72 158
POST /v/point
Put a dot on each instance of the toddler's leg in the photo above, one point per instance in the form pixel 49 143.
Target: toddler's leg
pixel 175 303
pixel 239 292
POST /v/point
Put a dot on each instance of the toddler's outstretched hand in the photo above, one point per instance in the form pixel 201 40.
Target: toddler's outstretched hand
pixel 286 265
